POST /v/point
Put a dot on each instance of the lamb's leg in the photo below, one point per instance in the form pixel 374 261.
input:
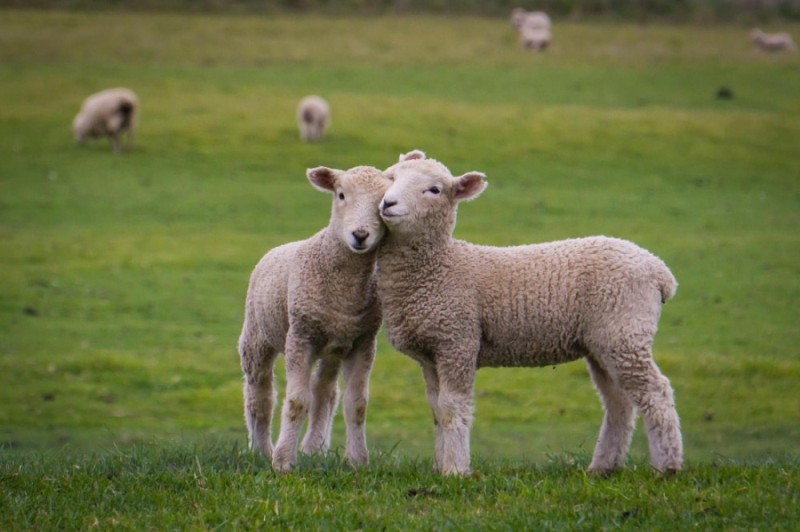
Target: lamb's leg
pixel 324 396
pixel 299 359
pixel 652 394
pixel 357 369
pixel 258 360
pixel 618 423
pixel 432 393
pixel 455 414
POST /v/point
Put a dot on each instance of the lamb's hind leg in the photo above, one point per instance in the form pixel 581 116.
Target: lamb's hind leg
pixel 648 389
pixel 324 397
pixel 432 393
pixel 258 361
pixel 618 423
pixel 357 369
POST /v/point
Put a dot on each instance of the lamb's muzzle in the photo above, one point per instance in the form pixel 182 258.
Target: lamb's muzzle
pixel 359 237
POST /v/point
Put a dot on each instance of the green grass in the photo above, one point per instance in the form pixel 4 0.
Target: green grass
pixel 219 487
pixel 122 278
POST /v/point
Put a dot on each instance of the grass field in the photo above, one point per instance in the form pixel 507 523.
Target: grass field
pixel 122 278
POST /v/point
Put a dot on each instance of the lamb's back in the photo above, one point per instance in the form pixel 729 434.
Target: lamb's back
pixel 536 301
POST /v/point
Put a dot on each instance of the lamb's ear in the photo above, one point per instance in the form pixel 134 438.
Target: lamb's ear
pixel 412 155
pixel 323 178
pixel 470 185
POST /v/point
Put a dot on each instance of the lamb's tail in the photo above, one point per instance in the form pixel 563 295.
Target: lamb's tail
pixel 667 283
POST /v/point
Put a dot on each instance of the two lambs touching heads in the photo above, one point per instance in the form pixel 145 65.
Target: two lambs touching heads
pixel 454 307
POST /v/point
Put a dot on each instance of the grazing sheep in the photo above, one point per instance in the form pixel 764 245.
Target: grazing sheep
pixel 313 118
pixel 533 27
pixel 108 113
pixel 316 301
pixel 771 42
pixel 455 307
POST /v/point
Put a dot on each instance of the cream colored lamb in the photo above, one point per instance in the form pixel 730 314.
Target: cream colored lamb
pixel 316 301
pixel 313 118
pixel 534 28
pixel 455 307
pixel 771 42
pixel 108 113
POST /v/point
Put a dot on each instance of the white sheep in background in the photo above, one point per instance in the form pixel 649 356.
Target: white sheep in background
pixel 771 42
pixel 108 113
pixel 534 28
pixel 455 307
pixel 316 301
pixel 313 118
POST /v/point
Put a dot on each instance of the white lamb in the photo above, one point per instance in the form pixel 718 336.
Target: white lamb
pixel 771 42
pixel 533 27
pixel 316 301
pixel 455 307
pixel 108 113
pixel 313 118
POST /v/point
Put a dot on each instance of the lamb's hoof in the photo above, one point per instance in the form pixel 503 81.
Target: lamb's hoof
pixel 281 463
pixel 601 472
pixel 668 471
pixel 358 461
pixel 456 472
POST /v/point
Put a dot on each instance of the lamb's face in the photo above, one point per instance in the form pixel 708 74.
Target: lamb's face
pixel 423 197
pixel 357 192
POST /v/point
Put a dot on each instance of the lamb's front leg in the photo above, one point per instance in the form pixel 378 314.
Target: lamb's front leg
pixel 324 396
pixel 456 383
pixel 357 369
pixel 299 359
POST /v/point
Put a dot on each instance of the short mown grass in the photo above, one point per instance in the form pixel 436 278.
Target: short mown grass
pixel 216 487
pixel 122 278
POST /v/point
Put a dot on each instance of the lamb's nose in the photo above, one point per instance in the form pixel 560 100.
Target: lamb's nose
pixel 387 203
pixel 360 235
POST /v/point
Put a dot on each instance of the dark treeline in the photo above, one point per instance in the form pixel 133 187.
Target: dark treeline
pixel 642 10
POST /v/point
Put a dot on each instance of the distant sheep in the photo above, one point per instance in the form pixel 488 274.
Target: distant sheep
pixel 108 113
pixel 534 28
pixel 455 307
pixel 316 301
pixel 771 42
pixel 313 118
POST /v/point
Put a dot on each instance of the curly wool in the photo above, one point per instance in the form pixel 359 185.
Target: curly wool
pixel 455 307
pixel 316 301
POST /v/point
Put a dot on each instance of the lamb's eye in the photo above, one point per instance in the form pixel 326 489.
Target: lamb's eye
pixel 435 190
pixel 341 196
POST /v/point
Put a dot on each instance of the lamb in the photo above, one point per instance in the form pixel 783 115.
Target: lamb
pixel 313 118
pixel 316 301
pixel 533 27
pixel 770 42
pixel 108 113
pixel 455 307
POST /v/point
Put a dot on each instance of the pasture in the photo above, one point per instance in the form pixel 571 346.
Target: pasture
pixel 122 278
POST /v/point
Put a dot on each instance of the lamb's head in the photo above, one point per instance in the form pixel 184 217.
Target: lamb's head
pixel 81 126
pixel 424 196
pixel 357 193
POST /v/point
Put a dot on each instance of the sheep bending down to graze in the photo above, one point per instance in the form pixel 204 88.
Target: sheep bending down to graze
pixel 771 42
pixel 533 27
pixel 108 113
pixel 316 301
pixel 455 307
pixel 313 118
